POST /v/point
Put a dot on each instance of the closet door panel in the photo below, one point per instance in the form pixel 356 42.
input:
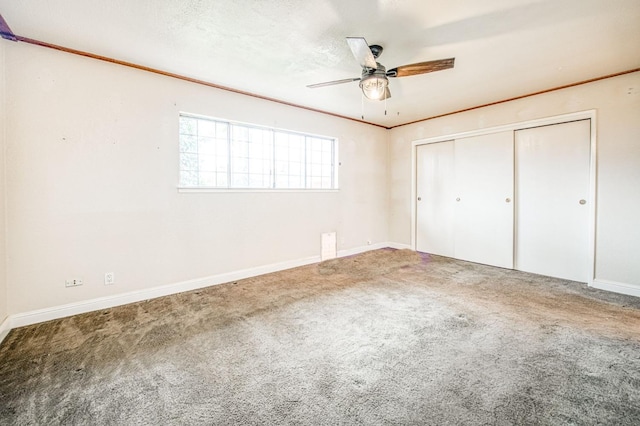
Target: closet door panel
pixel 483 230
pixel 552 189
pixel 434 204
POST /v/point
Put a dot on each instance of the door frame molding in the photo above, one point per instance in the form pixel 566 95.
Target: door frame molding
pixel 557 119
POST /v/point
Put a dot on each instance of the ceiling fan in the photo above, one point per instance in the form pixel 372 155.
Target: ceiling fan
pixel 373 81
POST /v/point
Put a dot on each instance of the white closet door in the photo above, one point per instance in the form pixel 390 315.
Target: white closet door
pixel 484 193
pixel 434 204
pixel 552 190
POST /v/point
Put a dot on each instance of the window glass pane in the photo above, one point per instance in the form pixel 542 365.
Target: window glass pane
pixel 315 182
pixel 239 133
pixel 206 128
pixel 239 181
pixel 282 168
pixel 255 135
pixel 188 178
pixel 207 179
pixel 188 143
pixel 222 130
pixel 255 165
pixel 239 165
pixel 319 163
pixel 222 147
pixel 288 150
pixel 295 169
pixel 221 164
pixel 256 150
pixel 206 145
pixel 188 126
pixel 257 181
pixel 207 163
pixel 222 180
pixel 219 154
pixel 295 182
pixel 239 149
pixel 326 157
pixel 189 162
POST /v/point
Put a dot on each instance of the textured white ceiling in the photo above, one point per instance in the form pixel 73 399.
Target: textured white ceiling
pixel 274 48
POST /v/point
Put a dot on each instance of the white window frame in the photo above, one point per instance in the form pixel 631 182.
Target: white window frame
pixel 272 175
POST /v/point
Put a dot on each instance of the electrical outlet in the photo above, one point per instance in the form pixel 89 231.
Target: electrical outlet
pixel 109 278
pixel 73 282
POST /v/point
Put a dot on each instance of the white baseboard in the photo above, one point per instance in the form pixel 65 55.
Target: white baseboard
pixel 617 287
pixel 47 314
pixel 5 328
pixel 362 249
pixel 61 311
pixel 399 246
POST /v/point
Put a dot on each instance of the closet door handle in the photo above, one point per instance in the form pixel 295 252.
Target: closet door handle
pixel 583 201
pixel 419 198
pixel 458 199
pixel 508 200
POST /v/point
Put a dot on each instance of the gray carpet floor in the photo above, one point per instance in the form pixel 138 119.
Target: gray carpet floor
pixel 386 337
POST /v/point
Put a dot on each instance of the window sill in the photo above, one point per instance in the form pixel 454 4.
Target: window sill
pixel 251 190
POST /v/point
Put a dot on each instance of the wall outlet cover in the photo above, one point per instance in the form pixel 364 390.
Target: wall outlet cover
pixel 73 282
pixel 109 278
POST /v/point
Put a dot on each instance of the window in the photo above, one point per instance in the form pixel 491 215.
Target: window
pixel 221 154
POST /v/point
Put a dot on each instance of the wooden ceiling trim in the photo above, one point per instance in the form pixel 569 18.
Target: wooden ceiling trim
pixel 5 31
pixel 566 86
pixel 182 77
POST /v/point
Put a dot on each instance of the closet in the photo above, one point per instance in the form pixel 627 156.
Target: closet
pixel 552 190
pixel 514 199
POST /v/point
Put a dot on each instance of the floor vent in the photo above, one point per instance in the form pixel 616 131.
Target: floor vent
pixel 329 249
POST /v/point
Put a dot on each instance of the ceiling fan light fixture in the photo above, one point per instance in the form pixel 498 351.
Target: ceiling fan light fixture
pixel 374 81
pixel 374 86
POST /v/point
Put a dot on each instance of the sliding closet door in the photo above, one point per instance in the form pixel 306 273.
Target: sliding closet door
pixel 435 195
pixel 484 194
pixel 552 189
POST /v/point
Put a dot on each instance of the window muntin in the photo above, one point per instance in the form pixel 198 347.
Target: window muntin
pixel 221 154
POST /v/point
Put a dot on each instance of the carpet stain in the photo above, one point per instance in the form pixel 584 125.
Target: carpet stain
pixel 385 337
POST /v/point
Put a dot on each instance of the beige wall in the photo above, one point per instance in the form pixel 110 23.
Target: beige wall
pixel 92 167
pixel 3 275
pixel 617 101
pixel 91 174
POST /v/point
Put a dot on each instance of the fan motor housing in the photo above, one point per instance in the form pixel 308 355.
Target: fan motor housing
pixel 376 50
pixel 380 71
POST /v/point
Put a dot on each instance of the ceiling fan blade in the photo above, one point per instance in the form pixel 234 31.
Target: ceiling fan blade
pixel 421 68
pixel 361 52
pixel 331 83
